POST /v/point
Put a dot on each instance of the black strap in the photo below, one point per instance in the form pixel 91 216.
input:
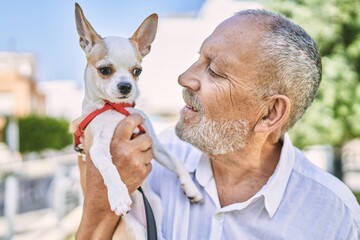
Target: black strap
pixel 150 220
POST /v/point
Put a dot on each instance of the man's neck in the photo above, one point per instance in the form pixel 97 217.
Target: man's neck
pixel 240 175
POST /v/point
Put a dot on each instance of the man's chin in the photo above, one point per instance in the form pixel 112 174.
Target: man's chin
pixel 187 134
pixel 214 138
pixel 179 129
pixel 183 132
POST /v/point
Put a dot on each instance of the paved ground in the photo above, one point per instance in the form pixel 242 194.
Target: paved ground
pixel 42 224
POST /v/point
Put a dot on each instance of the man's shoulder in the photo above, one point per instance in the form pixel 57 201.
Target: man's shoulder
pixel 318 177
pixel 323 186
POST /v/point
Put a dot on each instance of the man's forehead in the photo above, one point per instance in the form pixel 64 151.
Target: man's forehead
pixel 235 33
pixel 241 24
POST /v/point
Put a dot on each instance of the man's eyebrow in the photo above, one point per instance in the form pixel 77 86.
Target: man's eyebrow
pixel 206 52
pixel 221 62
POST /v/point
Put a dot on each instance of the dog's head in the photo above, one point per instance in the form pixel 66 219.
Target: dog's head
pixel 114 63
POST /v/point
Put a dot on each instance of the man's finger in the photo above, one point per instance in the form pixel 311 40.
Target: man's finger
pixel 127 126
pixel 143 141
pixel 148 168
pixel 148 156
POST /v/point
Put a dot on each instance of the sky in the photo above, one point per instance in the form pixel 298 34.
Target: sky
pixel 47 29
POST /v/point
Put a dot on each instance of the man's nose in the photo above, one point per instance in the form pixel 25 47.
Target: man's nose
pixel 191 78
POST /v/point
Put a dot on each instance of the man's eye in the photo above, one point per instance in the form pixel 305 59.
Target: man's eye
pixel 213 74
pixel 136 72
pixel 105 71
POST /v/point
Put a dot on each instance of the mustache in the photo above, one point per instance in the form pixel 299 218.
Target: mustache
pixel 191 99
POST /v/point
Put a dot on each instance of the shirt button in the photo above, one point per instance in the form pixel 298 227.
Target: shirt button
pixel 219 215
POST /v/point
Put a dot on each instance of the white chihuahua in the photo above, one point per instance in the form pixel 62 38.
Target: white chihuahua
pixel 112 71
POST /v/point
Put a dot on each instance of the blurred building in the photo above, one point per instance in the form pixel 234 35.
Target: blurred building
pixel 351 164
pixel 18 93
pixel 63 98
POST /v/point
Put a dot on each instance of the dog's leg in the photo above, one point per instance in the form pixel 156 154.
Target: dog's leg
pixel 132 226
pixel 118 195
pixel 165 158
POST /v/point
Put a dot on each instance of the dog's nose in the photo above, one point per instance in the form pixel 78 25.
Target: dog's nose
pixel 124 87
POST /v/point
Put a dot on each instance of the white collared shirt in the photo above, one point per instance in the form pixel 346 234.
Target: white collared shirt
pixel 299 201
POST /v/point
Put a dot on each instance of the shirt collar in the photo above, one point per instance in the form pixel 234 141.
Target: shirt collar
pixel 204 170
pixel 273 190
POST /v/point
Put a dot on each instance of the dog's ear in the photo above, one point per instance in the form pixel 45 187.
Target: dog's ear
pixel 88 36
pixel 145 34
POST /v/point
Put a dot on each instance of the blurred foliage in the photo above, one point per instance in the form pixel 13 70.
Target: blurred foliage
pixel 70 237
pixel 38 133
pixel 357 195
pixel 334 116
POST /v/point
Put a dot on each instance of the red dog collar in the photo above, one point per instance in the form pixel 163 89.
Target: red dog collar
pixel 119 107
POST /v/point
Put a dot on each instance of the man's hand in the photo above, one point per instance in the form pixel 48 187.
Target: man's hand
pixel 132 159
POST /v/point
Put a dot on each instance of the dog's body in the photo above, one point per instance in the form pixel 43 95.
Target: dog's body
pixel 113 68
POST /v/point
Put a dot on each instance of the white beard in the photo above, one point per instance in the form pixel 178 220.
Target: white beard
pixel 210 136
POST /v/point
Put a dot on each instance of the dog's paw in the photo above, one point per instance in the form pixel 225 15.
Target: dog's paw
pixel 120 202
pixel 191 191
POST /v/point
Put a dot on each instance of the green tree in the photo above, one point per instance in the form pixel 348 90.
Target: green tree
pixel 42 132
pixel 334 116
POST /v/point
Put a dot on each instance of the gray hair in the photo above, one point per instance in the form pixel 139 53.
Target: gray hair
pixel 289 61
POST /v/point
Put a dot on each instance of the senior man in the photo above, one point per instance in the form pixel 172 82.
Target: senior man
pixel 256 75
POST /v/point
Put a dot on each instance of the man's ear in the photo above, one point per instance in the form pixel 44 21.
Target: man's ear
pixel 277 112
pixel 88 36
pixel 145 34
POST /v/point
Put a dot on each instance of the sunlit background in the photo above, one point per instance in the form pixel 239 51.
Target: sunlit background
pixel 41 89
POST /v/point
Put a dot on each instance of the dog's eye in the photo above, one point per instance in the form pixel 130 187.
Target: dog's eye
pixel 136 72
pixel 105 71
